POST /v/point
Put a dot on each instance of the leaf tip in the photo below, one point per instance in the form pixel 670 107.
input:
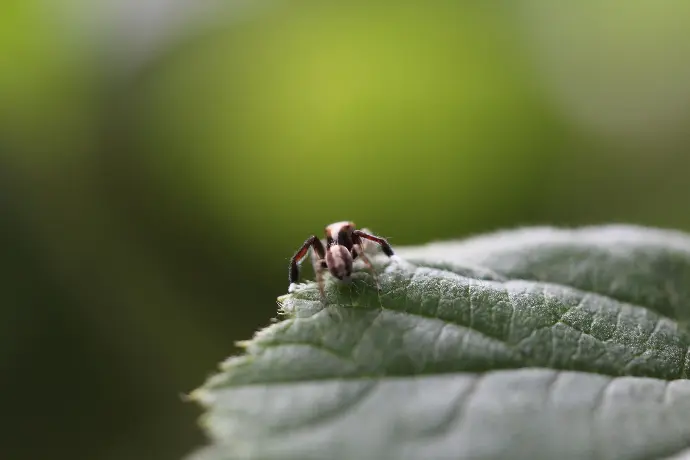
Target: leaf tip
pixel 244 344
pixel 200 395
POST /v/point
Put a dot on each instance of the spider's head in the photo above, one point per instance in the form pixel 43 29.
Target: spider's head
pixel 340 233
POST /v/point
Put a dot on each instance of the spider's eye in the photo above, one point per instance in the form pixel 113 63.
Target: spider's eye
pixel 342 237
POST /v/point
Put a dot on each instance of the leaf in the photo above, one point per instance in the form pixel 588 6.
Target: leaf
pixel 532 343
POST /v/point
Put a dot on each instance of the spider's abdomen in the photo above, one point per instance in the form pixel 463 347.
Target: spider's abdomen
pixel 339 261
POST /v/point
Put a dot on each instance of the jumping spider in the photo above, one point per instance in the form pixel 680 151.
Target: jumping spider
pixel 344 243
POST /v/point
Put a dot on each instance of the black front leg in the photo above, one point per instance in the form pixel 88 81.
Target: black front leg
pixel 312 241
pixel 381 241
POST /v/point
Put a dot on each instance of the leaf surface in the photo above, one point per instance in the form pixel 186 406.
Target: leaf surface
pixel 532 343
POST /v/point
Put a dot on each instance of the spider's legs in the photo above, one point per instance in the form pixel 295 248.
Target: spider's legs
pixel 359 234
pixel 312 241
pixel 320 266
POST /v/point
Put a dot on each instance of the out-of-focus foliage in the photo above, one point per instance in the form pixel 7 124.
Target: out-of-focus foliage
pixel 161 160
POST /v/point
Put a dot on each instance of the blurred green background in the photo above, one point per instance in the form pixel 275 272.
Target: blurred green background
pixel 160 161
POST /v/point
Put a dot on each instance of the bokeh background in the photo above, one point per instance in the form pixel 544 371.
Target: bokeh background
pixel 160 161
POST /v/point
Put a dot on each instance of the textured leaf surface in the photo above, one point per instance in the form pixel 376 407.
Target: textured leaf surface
pixel 535 343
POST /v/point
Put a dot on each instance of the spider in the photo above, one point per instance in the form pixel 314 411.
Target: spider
pixel 344 243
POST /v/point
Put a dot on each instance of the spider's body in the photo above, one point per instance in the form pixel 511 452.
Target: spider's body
pixel 344 243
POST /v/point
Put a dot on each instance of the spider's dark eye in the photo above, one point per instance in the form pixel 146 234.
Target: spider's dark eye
pixel 343 237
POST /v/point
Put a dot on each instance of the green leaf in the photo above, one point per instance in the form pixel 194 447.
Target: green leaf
pixel 533 343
